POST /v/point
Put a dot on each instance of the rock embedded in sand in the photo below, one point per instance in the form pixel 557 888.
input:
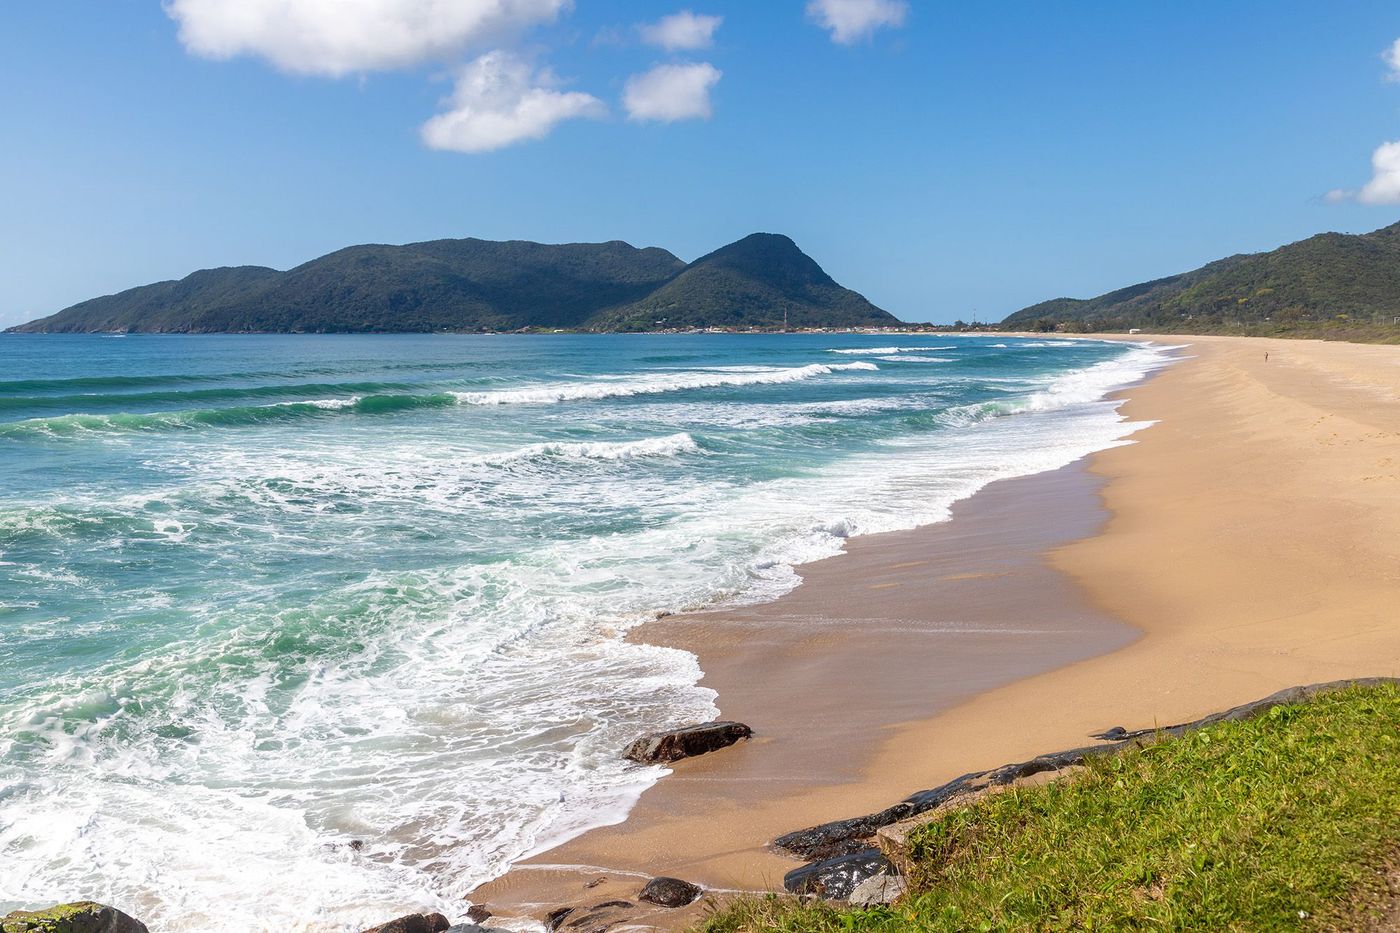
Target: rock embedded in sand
pixel 555 917
pixel 670 892
pixel 477 913
pixel 77 917
pixel 686 742
pixel 414 923
pixel 598 918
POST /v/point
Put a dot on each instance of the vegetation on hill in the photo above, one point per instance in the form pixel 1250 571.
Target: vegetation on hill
pixel 1332 284
pixel 1287 821
pixel 760 280
pixel 481 285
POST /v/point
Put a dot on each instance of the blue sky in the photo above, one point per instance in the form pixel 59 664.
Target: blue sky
pixel 948 160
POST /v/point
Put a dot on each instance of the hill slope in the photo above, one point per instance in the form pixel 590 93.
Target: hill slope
pixel 479 285
pixel 1328 277
pixel 758 281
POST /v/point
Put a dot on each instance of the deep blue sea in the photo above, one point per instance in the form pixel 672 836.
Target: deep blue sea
pixel 261 596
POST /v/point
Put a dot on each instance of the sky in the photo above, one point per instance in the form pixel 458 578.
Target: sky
pixel 948 160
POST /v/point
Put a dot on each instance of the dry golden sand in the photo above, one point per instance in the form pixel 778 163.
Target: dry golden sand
pixel 1253 541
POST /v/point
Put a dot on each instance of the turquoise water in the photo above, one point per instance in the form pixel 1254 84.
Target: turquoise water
pixel 263 596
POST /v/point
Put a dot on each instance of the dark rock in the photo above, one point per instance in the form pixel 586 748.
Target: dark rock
pixel 670 892
pixel 600 917
pixel 841 837
pixel 686 742
pixel 556 917
pixel 356 844
pixel 477 913
pixel 414 923
pixel 835 878
pixel 77 917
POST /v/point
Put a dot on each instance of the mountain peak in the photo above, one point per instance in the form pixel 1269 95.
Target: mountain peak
pixel 772 255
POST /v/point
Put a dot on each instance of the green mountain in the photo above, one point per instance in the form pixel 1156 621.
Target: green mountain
pixel 481 285
pixel 758 281
pixel 1328 278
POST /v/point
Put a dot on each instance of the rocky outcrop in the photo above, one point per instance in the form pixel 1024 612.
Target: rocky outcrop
pixel 686 742
pixel 844 836
pixel 414 923
pixel 845 845
pixel 77 917
pixel 669 892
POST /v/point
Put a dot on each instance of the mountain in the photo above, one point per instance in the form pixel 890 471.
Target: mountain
pixel 758 281
pixel 482 285
pixel 1330 277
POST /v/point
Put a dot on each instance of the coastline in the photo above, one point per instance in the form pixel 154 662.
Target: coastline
pixel 1251 540
pixel 824 673
pixel 1248 539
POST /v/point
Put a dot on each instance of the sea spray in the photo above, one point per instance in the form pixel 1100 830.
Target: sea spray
pixel 235 638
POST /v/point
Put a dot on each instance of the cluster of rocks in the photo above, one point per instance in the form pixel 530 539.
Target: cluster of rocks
pixel 669 893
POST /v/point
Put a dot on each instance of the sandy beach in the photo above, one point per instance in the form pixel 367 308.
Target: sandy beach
pixel 1244 543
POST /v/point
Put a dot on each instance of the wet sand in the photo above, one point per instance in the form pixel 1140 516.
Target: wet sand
pixel 899 627
pixel 1251 542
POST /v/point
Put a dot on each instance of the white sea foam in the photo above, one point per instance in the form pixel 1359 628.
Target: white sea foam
pixel 456 713
pixel 910 358
pixel 329 404
pixel 623 386
pixel 874 351
pixel 669 446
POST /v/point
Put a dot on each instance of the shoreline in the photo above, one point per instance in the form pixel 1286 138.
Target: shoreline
pixel 1249 539
pixel 994 610
pixel 1275 495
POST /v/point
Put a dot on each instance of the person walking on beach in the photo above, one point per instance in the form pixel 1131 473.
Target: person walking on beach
pixel 1266 356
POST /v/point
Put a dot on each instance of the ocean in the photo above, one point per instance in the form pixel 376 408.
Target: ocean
pixel 304 632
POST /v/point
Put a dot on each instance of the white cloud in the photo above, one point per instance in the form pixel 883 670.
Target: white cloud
pixel 852 20
pixel 339 37
pixel 683 30
pixel 1384 186
pixel 1391 57
pixel 671 92
pixel 501 100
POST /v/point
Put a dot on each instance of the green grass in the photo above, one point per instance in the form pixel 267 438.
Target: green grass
pixel 1282 822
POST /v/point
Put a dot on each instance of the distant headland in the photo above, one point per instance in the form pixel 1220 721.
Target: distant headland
pixel 762 281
